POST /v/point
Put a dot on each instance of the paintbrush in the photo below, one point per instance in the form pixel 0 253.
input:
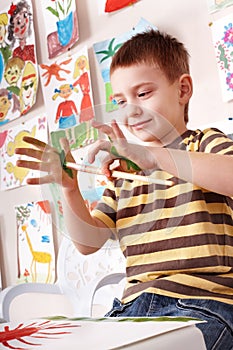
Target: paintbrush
pixel 117 174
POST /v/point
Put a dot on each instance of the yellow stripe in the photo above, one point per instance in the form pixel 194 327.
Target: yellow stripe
pixel 151 276
pixel 174 212
pixel 177 232
pixel 181 253
pixel 104 218
pixel 197 282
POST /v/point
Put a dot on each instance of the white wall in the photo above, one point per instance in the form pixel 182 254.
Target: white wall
pixel 187 20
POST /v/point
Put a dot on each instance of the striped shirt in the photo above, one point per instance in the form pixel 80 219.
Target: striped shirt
pixel 177 240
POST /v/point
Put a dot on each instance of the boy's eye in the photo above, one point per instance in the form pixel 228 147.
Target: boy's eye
pixel 143 93
pixel 120 102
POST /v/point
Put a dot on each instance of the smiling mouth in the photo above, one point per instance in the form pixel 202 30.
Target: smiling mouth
pixel 140 125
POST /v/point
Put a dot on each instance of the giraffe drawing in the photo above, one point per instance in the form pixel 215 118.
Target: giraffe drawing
pixel 38 257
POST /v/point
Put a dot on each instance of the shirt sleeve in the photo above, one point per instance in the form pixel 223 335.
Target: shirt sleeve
pixel 106 208
pixel 215 141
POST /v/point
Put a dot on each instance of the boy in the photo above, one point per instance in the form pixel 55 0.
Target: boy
pixel 177 240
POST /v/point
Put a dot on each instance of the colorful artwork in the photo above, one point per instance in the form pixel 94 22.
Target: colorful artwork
pixel 222 30
pixel 18 68
pixel 104 52
pixel 74 333
pixel 61 24
pixel 36 257
pixel 217 5
pixel 36 330
pixel 68 98
pixel 11 175
pixel 114 5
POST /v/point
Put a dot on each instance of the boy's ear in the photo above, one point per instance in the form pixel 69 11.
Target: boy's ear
pixel 185 88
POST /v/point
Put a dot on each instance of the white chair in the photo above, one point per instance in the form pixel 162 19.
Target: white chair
pixel 86 286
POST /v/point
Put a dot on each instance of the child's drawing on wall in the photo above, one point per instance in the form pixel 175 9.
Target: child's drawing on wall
pixel 11 175
pixel 61 25
pixel 81 69
pixel 69 104
pixel 223 45
pixel 217 5
pixel 28 89
pixel 17 53
pixel 4 46
pixel 12 73
pixel 66 111
pixel 20 30
pixel 36 258
pixel 9 103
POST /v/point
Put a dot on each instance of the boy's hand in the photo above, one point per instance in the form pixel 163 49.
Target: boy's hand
pixel 47 159
pixel 132 157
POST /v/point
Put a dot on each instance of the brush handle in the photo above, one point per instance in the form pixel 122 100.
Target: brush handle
pixel 118 174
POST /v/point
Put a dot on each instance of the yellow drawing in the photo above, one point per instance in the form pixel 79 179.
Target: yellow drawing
pixel 18 141
pixel 19 173
pixel 38 257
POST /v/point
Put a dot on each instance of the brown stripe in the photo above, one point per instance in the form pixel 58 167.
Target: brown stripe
pixel 181 264
pixel 224 281
pixel 221 147
pixel 180 242
pixel 186 220
pixel 175 288
pixel 210 138
pixel 188 197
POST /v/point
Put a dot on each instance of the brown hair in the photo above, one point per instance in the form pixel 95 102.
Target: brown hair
pixel 154 48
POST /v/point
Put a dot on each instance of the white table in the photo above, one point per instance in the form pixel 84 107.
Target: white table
pixel 101 335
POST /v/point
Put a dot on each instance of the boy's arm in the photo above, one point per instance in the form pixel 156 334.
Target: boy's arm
pixel 87 233
pixel 207 170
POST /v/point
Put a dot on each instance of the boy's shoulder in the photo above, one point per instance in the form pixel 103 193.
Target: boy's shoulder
pixel 206 140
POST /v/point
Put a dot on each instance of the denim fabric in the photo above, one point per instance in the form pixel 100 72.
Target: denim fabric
pixel 217 331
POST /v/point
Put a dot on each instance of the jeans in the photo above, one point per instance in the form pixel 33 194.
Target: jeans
pixel 217 331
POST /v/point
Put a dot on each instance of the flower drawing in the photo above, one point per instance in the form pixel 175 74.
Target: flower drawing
pixel 60 8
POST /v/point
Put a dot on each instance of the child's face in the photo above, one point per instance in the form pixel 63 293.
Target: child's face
pixel 12 74
pixel 5 105
pixel 21 24
pixel 149 103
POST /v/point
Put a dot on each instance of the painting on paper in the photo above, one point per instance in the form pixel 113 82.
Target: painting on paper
pixel 104 52
pixel 11 175
pixel 18 63
pixel 36 256
pixel 109 6
pixel 222 31
pixel 67 91
pixel 217 5
pixel 61 25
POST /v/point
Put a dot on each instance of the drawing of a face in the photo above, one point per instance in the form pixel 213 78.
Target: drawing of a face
pixel 81 62
pixel 28 87
pixel 65 92
pixel 21 24
pixel 12 74
pixel 28 92
pixel 5 105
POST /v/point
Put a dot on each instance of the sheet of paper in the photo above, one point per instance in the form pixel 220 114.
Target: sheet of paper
pixel 89 334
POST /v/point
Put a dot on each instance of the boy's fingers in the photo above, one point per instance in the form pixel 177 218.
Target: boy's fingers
pixel 30 152
pixel 37 143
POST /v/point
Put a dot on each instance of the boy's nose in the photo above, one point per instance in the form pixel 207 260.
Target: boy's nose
pixel 133 110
